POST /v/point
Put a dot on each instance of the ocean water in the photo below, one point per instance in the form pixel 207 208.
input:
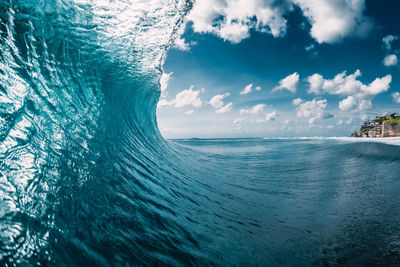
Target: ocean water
pixel 86 178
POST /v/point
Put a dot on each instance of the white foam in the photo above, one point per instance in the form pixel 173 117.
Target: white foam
pixel 385 140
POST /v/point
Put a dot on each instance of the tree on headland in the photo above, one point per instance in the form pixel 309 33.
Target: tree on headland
pixel 354 134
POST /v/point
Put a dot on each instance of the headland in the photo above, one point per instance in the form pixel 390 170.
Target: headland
pixel 380 126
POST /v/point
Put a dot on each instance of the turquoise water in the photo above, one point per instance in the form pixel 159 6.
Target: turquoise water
pixel 302 201
pixel 86 179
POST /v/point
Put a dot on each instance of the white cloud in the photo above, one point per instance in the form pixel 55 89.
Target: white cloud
pixel 354 103
pixel 271 116
pixel 181 44
pixel 165 77
pixel 314 109
pixel 238 120
pixel 331 21
pixel 309 47
pixel 218 103
pixel 289 83
pixel 348 103
pixel 217 100
pixel 390 60
pixel 387 41
pixel 396 97
pixel 316 81
pixel 163 103
pixel 188 97
pixel 297 101
pixel 349 85
pixel 247 89
pixel 254 110
pixel 379 85
pixel 226 108
pixel 233 19
pixel 189 112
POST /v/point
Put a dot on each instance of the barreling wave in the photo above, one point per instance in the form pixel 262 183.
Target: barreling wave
pixel 85 176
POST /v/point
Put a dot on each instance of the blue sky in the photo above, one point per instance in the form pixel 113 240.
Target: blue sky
pixel 264 68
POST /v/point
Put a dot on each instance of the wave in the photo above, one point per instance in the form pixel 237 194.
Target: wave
pixel 385 140
pixel 83 164
pixel 86 178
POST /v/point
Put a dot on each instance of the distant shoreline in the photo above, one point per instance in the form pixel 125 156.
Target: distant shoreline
pixel 382 126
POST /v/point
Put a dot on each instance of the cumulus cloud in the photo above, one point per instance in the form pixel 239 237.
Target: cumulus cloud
pixel 217 100
pixel 271 116
pixel 387 41
pixel 297 101
pixel 247 89
pixel 353 103
pixel 314 109
pixel 180 43
pixel 218 103
pixel 226 108
pixel 234 19
pixel 331 21
pixel 288 83
pixel 359 95
pixel 348 103
pixel 316 82
pixel 188 97
pixel 396 97
pixel 254 110
pixel 162 103
pixel 390 60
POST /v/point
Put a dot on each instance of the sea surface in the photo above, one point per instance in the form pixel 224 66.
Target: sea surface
pixel 86 178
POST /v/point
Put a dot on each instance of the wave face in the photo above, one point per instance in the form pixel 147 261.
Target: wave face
pixel 86 178
pixel 81 176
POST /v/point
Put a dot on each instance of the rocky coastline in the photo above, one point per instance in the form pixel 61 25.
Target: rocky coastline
pixel 380 126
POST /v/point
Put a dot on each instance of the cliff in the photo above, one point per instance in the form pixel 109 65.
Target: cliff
pixel 391 129
pixel 380 126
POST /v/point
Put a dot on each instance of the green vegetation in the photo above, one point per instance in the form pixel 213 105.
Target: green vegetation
pixel 364 130
pixel 354 134
pixel 391 121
